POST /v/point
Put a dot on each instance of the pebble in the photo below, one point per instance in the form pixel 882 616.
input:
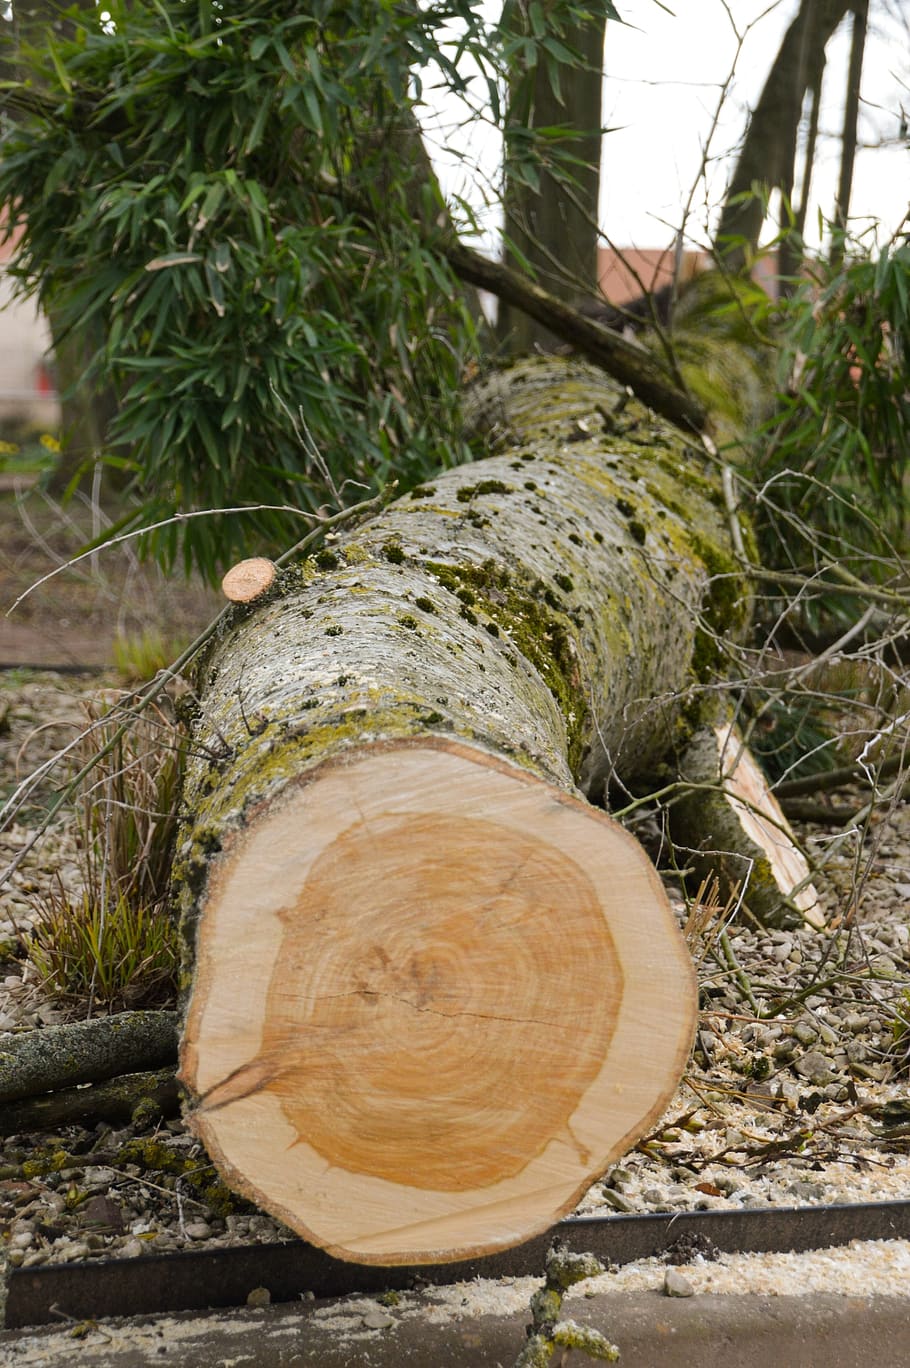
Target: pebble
pixel 198 1230
pixel 654 1196
pixel 809 1192
pixel 258 1297
pixel 98 1176
pixel 676 1285
pixel 378 1320
pixel 815 1068
pixel 617 1201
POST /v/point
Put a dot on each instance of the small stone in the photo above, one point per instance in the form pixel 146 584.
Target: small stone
pixel 378 1320
pixel 98 1176
pixel 131 1250
pixel 616 1200
pixel 805 1034
pixel 619 1177
pixel 675 1285
pixel 654 1196
pixel 259 1297
pixel 815 1068
pixel 198 1230
pixel 102 1213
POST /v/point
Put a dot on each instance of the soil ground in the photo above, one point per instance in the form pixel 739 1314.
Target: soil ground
pixel 73 619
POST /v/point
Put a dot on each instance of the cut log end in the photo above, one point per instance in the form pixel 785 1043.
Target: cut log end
pixel 248 579
pixel 435 999
pixel 737 830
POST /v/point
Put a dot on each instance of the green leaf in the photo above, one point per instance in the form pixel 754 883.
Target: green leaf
pixel 174 259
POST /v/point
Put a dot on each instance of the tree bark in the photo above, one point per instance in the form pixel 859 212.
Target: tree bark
pixel 626 361
pixel 730 825
pixel 35 1062
pixel 431 993
pixel 769 149
pixel 851 119
pixel 151 1094
pixel 551 227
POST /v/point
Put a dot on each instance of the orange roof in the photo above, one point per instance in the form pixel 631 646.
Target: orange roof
pixel 626 273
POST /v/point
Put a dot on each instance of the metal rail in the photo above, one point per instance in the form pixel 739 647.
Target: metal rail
pixel 196 1280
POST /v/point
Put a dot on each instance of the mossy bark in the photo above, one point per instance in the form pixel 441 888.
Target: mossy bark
pixel 148 1095
pixel 546 604
pixel 34 1062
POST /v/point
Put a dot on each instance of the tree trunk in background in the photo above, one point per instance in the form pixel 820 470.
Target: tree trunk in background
pixel 851 118
pixel 789 253
pixel 553 228
pixel 768 154
pixel 432 994
pixel 85 411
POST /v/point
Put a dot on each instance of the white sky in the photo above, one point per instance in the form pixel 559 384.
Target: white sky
pixel 663 79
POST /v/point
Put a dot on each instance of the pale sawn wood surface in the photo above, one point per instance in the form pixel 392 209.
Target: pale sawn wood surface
pixel 435 997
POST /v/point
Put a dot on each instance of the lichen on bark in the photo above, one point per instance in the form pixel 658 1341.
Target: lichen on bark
pixel 542 603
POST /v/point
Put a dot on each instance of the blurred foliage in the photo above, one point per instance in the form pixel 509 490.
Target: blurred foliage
pixel 139 656
pixel 831 463
pixel 792 735
pixel 28 452
pixel 237 204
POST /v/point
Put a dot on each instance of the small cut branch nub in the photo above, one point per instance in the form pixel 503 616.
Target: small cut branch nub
pixel 248 579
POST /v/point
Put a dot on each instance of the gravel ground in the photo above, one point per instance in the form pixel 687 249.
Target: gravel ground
pixel 794 1095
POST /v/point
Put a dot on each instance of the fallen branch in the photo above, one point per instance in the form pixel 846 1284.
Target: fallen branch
pixel 148 1096
pixel 843 777
pixel 626 361
pixel 35 1062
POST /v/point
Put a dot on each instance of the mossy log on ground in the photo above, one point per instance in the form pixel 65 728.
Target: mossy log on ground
pixel 35 1062
pixel 432 993
pixel 149 1095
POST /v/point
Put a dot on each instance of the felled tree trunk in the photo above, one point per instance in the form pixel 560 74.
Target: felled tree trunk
pixel 432 992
